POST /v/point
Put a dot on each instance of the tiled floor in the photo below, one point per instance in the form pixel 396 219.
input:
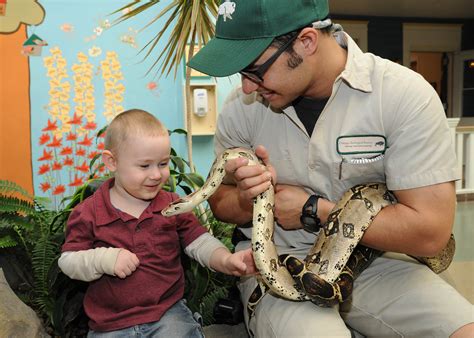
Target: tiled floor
pixel 461 272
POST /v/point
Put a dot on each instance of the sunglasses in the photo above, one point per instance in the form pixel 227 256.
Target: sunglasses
pixel 257 74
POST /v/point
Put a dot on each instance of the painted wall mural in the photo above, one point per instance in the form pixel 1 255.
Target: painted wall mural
pixel 80 71
pixel 17 12
pixel 73 71
pixel 68 141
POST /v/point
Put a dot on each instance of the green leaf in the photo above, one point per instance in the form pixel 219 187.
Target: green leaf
pixel 10 220
pixel 200 277
pixel 15 205
pixel 179 163
pixel 9 188
pixel 206 306
pixel 7 242
pixel 187 190
pixel 179 131
pixel 101 132
pixel 193 179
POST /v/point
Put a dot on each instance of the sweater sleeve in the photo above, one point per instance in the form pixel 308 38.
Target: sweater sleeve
pixel 201 249
pixel 88 265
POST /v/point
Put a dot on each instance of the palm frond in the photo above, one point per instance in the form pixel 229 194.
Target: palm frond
pixel 192 19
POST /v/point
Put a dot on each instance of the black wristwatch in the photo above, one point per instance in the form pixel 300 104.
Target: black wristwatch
pixel 309 215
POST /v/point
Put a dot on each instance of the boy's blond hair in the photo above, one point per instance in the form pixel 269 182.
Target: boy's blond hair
pixel 133 122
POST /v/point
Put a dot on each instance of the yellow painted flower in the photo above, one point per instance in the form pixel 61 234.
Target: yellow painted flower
pixel 55 51
pixel 82 57
pixel 95 51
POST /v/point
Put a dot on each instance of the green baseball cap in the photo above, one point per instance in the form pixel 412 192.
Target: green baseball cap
pixel 245 28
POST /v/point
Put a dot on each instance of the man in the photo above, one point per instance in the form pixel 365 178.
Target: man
pixel 324 117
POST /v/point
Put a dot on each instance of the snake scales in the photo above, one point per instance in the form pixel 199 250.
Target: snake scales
pixel 335 260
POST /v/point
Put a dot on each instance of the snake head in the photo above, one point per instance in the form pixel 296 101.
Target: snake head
pixel 173 208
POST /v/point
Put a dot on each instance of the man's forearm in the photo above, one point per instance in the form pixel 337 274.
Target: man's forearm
pixel 419 224
pixel 227 207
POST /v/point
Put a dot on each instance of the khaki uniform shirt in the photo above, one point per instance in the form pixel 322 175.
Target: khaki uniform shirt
pixel 382 123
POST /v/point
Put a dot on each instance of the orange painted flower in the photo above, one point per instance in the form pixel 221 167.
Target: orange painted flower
pixel 93 154
pixel 47 155
pixel 90 126
pixel 101 146
pixel 44 138
pixel 78 181
pixel 68 161
pixel 56 143
pixel 76 119
pixel 80 152
pixel 57 166
pixel 151 85
pixel 44 169
pixel 59 190
pixel 45 186
pixel 51 126
pixel 71 137
pixel 86 141
pixel 66 151
pixel 84 167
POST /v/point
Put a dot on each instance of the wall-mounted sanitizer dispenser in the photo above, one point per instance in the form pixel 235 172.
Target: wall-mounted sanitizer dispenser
pixel 200 102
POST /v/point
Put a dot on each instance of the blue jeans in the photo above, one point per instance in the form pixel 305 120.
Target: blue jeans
pixel 178 321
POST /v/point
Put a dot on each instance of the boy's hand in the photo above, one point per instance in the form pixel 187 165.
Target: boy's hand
pixel 240 263
pixel 126 263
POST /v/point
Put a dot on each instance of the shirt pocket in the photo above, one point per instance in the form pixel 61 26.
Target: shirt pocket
pixel 345 175
pixel 166 240
pixel 286 171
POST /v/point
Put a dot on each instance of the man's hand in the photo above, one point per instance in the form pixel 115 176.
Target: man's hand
pixel 127 262
pixel 251 180
pixel 289 201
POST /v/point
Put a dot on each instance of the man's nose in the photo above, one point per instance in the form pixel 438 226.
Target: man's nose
pixel 248 86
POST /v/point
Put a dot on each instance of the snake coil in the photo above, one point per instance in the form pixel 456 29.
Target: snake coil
pixel 327 274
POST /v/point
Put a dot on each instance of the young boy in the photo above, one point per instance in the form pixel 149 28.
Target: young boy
pixel 118 240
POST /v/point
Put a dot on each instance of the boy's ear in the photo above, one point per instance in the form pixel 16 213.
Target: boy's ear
pixel 109 160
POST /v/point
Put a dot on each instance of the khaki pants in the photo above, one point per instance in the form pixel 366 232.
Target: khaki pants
pixel 394 297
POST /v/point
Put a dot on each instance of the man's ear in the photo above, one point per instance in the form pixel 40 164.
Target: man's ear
pixel 109 160
pixel 309 38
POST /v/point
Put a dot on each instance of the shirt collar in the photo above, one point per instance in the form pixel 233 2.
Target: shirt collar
pixel 106 213
pixel 356 73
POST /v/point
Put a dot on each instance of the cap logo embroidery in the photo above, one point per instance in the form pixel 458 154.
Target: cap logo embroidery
pixel 226 9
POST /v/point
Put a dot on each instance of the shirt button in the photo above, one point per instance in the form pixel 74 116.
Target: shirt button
pixel 312 166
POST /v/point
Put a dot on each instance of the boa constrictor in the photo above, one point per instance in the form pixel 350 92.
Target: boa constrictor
pixel 336 259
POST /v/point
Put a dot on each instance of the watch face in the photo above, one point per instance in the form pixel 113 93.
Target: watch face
pixel 308 221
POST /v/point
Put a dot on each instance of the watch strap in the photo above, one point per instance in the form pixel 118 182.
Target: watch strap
pixel 309 215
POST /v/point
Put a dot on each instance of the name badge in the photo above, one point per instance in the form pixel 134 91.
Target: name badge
pixel 361 144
